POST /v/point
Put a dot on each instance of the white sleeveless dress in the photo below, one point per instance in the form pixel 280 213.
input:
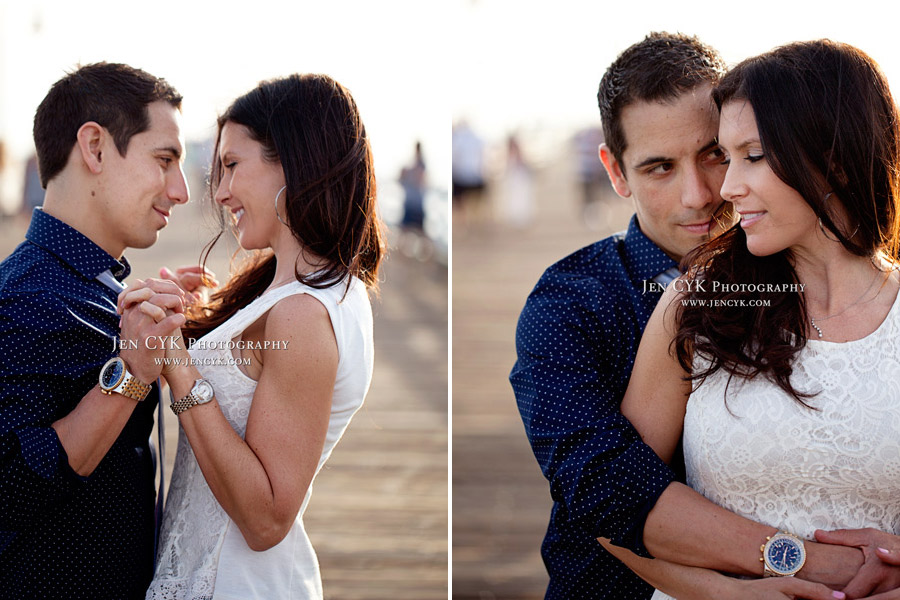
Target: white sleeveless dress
pixel 202 554
pixel 776 462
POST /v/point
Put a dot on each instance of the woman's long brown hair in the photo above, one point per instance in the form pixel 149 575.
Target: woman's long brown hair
pixel 311 126
pixel 829 129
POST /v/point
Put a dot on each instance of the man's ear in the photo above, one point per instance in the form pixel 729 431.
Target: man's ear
pixel 90 141
pixel 614 170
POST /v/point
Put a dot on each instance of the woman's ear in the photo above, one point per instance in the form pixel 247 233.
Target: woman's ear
pixel 615 172
pixel 90 142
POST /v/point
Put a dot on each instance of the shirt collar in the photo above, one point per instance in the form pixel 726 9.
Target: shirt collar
pixel 73 247
pixel 645 260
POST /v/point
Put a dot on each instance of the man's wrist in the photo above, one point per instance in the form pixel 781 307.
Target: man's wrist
pixel 117 378
pixel 144 373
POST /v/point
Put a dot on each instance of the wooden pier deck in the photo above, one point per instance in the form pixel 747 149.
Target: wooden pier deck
pixel 501 502
pixel 378 517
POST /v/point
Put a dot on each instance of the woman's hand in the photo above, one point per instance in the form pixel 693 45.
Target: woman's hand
pixel 782 588
pixel 158 299
pixel 196 280
pixel 881 552
pixel 163 294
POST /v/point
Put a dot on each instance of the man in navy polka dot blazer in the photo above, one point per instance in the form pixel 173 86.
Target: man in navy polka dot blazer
pixel 579 332
pixel 76 474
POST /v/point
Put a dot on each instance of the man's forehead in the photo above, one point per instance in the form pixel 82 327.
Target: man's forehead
pixel 165 124
pixel 668 130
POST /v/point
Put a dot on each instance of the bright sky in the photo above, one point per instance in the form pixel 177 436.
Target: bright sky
pixel 389 54
pixel 536 66
pixel 412 66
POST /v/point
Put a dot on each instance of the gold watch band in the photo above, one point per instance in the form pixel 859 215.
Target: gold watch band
pixel 134 389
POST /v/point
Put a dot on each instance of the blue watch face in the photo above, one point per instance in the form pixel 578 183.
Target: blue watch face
pixel 112 374
pixel 785 555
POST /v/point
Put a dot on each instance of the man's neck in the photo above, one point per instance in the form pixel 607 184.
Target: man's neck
pixel 79 213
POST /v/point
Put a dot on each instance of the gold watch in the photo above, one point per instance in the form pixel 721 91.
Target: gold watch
pixel 115 379
pixel 783 555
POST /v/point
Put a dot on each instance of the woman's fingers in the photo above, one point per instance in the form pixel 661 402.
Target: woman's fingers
pixel 193 281
pixel 166 301
pixel 190 277
pixel 151 290
pixel 810 591
pixel 130 297
pixel 199 273
pixel 890 553
pixel 158 286
pixel 153 311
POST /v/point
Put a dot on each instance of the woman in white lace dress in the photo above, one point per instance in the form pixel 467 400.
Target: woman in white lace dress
pixel 778 354
pixel 284 356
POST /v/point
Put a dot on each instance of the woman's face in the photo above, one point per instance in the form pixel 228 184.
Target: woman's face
pixel 774 215
pixel 248 188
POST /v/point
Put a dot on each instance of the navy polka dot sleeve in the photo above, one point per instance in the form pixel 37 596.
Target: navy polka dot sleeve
pixel 576 340
pixel 62 535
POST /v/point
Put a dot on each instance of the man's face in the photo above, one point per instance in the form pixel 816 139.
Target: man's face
pixel 673 169
pixel 140 188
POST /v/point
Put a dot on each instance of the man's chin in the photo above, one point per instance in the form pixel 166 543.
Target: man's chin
pixel 692 242
pixel 145 241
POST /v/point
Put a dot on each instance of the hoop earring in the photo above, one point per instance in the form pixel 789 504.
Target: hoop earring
pixel 284 187
pixel 825 232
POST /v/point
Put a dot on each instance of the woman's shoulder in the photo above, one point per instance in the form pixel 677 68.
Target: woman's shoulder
pixel 301 303
pixel 298 309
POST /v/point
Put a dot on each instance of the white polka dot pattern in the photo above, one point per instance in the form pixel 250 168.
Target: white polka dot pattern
pixel 576 341
pixel 63 536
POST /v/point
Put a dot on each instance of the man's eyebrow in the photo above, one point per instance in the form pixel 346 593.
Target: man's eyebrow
pixel 176 152
pixel 652 161
pixel 655 160
pixel 709 146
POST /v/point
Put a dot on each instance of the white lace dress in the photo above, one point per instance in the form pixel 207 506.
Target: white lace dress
pixel 776 462
pixel 202 554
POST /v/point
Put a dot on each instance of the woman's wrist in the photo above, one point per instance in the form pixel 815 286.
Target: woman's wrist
pixel 181 378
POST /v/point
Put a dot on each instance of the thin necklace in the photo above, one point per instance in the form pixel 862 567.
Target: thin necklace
pixel 277 284
pixel 812 319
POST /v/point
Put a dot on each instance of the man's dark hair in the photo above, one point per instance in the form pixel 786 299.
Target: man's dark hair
pixel 113 95
pixel 660 67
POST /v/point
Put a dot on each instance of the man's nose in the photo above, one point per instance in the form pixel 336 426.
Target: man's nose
pixel 696 191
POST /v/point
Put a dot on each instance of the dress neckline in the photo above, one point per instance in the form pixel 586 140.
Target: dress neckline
pixel 884 323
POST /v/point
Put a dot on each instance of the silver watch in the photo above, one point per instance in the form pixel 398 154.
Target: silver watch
pixel 201 393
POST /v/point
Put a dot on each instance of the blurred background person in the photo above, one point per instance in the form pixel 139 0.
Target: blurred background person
pixel 468 174
pixel 518 187
pixel 413 240
pixel 595 187
pixel 32 192
pixel 413 180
